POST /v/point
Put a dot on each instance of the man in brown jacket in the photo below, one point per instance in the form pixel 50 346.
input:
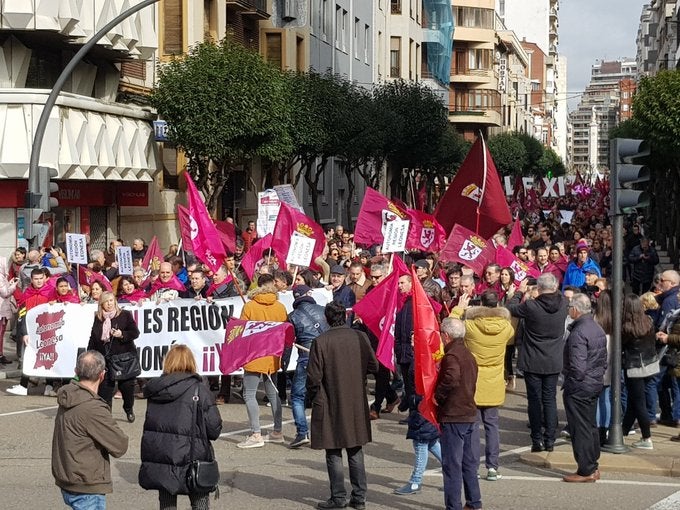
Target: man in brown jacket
pixel 457 415
pixel 85 435
pixel 339 361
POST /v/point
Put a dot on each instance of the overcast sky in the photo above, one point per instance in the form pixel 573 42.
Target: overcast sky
pixel 595 29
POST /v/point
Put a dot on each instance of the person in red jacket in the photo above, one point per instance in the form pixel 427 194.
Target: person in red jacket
pixel 37 293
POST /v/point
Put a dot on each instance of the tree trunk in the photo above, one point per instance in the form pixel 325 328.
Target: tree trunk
pixel 348 167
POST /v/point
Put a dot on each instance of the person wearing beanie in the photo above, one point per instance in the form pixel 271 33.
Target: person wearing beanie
pixel 575 274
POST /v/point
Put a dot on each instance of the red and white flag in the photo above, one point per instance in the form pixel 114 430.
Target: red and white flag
pixel 245 341
pixel 227 233
pixel 205 237
pixel 376 211
pixel 87 277
pixel 255 254
pixel 522 270
pixel 291 222
pixel 185 227
pixel 153 257
pixel 475 198
pixel 467 248
pixel 424 232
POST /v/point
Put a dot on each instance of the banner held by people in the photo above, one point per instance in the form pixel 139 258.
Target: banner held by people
pixel 124 258
pixel 76 248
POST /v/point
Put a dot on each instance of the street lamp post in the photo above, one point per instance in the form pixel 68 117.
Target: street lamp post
pixel 33 175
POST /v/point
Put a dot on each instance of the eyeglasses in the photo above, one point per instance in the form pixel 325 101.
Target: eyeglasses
pixel 661 280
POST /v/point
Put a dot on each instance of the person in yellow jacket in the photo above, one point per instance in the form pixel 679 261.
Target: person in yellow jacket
pixel 487 332
pixel 263 306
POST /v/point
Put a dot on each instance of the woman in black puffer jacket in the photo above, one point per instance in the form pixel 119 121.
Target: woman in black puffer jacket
pixel 169 429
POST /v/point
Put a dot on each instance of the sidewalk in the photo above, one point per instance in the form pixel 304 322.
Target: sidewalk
pixel 10 371
pixel 663 460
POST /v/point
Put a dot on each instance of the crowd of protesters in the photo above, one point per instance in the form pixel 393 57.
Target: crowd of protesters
pixel 536 329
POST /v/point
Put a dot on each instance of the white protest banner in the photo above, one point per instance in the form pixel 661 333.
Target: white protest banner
pixel 76 248
pixel 268 205
pixel 396 232
pixel 59 332
pixel 124 257
pixel 301 250
pixel 566 215
pixel 286 194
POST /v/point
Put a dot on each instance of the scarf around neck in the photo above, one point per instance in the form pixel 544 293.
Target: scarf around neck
pixel 106 326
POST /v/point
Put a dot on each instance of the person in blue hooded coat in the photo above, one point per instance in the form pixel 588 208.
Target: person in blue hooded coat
pixel 576 270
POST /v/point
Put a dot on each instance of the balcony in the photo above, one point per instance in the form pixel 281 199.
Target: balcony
pixel 465 75
pixel 257 8
pixel 490 116
pixel 553 13
pixel 86 139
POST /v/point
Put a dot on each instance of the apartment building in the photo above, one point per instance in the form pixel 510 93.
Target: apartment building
pixel 658 37
pixel 514 83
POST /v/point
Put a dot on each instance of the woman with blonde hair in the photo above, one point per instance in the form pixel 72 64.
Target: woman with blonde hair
pixel 114 332
pixel 181 420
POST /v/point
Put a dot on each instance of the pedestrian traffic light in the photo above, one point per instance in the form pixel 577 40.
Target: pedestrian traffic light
pixel 625 169
pixel 46 187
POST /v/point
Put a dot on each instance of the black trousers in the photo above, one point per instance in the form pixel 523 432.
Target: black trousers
pixel 636 406
pixel 383 389
pixel 357 474
pixel 585 437
pixel 127 390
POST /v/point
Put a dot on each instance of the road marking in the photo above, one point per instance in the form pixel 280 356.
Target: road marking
pixel 30 411
pixel 670 503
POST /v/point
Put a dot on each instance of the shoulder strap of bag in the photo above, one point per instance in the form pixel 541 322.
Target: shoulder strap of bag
pixel 194 423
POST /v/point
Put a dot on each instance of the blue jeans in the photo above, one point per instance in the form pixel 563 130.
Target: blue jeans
pixel 460 460
pixel 652 394
pixel 604 407
pixel 79 501
pixel 488 418
pixel 298 391
pixel 421 448
pixel 542 407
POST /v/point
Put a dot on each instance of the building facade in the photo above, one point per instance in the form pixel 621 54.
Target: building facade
pixel 101 146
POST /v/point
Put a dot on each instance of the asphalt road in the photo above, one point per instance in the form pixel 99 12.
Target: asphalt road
pixel 275 477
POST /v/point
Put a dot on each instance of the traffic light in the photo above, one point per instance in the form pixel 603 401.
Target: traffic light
pixel 46 187
pixel 624 170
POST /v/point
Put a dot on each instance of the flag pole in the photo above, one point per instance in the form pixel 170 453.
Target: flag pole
pixel 238 287
pixel 481 195
pixel 295 272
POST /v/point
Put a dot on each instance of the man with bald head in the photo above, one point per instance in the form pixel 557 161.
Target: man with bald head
pixel 167 287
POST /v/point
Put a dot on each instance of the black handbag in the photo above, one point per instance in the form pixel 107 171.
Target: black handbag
pixel 124 366
pixel 202 475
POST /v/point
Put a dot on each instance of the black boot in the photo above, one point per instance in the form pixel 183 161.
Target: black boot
pixel 603 435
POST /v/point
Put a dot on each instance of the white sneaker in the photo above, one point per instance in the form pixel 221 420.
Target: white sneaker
pixel 493 475
pixel 252 441
pixel 49 391
pixel 273 437
pixel 643 444
pixel 17 389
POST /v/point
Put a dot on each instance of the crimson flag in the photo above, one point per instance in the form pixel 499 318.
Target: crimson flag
pixel 87 277
pixel 291 222
pixel 227 233
pixel 185 227
pixel 427 349
pixel 378 310
pixel 206 240
pixel 254 254
pixel 467 248
pixel 475 198
pixel 421 197
pixel 245 341
pixel 153 256
pixel 424 232
pixel 519 193
pixel 532 202
pixel 505 258
pixel 516 237
pixel 376 210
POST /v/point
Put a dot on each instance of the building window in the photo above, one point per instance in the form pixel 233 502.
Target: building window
pixel 338 24
pixel 396 6
pixel 134 69
pixel 300 54
pixel 273 53
pixel 170 170
pixel 367 38
pixel 395 57
pixel 356 38
pixel 473 17
pixel 345 28
pixel 173 24
pixel 324 19
pixel 411 58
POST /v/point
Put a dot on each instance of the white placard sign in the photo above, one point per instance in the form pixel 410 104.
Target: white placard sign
pixel 301 250
pixel 59 332
pixel 396 232
pixel 124 257
pixel 76 248
pixel 268 205
pixel 286 194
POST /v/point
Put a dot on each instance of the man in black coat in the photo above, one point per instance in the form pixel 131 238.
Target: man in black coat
pixel 643 259
pixel 540 357
pixel 585 361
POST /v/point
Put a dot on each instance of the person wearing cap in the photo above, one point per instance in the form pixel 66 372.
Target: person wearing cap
pixel 309 322
pixel 341 292
pixel 576 270
pixel 424 273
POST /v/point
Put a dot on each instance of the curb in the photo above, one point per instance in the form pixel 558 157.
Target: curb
pixel 10 374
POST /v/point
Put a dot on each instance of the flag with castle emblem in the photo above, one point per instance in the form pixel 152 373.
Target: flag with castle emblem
pixel 289 223
pixel 375 213
pixel 245 341
pixel 467 248
pixel 424 232
pixel 475 198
